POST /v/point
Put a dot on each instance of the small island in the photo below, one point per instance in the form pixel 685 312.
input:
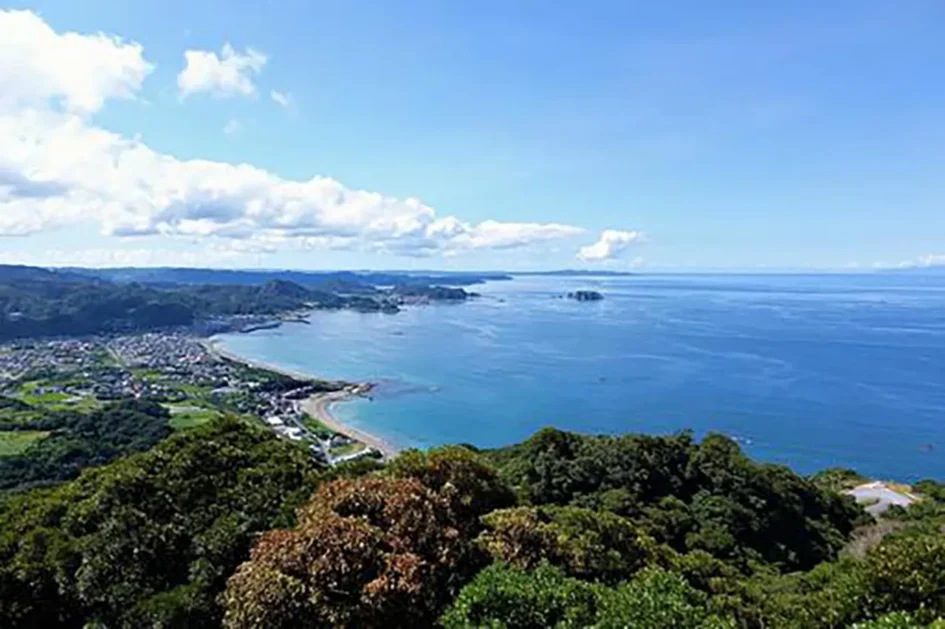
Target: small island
pixel 585 295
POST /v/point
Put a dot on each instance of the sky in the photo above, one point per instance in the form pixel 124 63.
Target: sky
pixel 473 135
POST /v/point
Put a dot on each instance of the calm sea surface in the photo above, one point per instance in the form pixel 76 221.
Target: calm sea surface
pixel 808 370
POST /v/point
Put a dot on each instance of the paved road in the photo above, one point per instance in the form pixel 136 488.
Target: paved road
pixel 883 496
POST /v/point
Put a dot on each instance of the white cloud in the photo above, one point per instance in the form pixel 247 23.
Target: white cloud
pixel 77 72
pixel 56 169
pixel 921 262
pixel 610 244
pixel 230 73
pixel 281 98
pixel 902 264
pixel 232 126
pixel 932 260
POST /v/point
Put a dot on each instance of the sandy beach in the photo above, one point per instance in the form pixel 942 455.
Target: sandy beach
pixel 319 405
pixel 215 347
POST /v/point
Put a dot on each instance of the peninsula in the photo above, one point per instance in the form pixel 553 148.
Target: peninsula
pixel 318 408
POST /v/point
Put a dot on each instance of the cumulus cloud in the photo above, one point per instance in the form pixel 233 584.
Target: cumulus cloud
pixel 610 244
pixel 39 67
pixel 231 73
pixel 283 99
pixel 57 168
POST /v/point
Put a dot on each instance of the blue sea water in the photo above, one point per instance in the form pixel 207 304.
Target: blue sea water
pixel 812 371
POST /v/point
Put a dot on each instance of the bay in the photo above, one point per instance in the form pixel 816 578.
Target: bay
pixel 812 371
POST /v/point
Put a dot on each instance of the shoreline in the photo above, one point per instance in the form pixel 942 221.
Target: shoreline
pixel 318 405
pixel 216 349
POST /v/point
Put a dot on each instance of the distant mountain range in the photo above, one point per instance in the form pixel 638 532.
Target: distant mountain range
pixel 37 302
pixel 322 279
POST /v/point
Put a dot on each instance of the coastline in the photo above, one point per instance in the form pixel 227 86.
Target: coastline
pixel 215 347
pixel 318 405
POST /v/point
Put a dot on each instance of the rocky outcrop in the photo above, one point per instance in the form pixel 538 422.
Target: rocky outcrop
pixel 585 295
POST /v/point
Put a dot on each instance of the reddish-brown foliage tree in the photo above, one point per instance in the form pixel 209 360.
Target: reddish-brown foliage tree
pixel 470 486
pixel 370 552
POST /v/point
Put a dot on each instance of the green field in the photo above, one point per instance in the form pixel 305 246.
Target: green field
pixel 194 391
pixel 183 417
pixel 46 398
pixel 80 404
pixel 13 418
pixel 16 441
pixel 344 450
pixel 150 375
pixel 316 426
pixel 29 393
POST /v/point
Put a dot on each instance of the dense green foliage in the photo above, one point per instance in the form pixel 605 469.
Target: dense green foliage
pixel 560 531
pixel 545 597
pixel 837 479
pixel 149 540
pixel 12 404
pixel 706 496
pixel 80 440
pixel 592 545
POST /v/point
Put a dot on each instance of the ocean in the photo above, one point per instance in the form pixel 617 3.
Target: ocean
pixel 812 371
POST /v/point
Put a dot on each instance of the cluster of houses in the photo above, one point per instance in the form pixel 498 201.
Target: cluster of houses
pixel 291 426
pixel 21 357
pixel 164 367
pixel 114 383
pixel 163 351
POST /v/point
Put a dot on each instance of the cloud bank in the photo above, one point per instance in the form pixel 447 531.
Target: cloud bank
pixel 58 168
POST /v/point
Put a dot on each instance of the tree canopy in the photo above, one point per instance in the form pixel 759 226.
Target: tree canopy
pixel 81 440
pixel 149 540
pixel 227 525
pixel 692 496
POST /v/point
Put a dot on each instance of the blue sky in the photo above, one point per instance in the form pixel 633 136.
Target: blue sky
pixel 736 135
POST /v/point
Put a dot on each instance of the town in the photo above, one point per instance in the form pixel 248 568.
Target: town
pixel 183 372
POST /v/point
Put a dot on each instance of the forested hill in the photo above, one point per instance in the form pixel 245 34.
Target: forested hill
pixel 40 302
pixel 228 525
